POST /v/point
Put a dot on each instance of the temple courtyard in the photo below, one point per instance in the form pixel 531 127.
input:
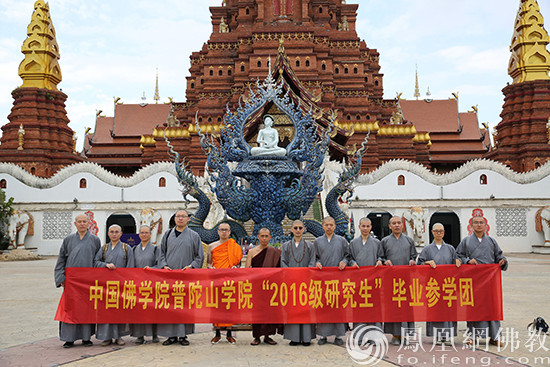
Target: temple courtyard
pixel 29 334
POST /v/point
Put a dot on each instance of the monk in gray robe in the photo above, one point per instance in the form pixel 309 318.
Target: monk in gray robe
pixel 398 249
pixel 264 256
pixel 180 248
pixel 438 252
pixel 112 255
pixel 480 248
pixel 365 251
pixel 77 251
pixel 331 250
pixel 145 256
pixel 298 253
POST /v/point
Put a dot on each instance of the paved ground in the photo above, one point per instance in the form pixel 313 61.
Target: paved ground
pixel 28 336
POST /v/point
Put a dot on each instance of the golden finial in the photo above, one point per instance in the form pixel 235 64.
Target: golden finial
pixel 282 44
pixel 87 130
pixel 98 113
pixel 157 96
pixel 40 67
pixel 530 60
pixel 474 108
pixel 454 95
pixel 21 133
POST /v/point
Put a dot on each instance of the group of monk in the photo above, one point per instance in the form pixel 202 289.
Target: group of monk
pixel 181 248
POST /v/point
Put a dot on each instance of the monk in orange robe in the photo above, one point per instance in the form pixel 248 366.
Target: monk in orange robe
pixel 224 254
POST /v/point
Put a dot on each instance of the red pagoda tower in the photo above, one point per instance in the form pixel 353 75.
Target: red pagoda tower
pixel 38 137
pixel 522 138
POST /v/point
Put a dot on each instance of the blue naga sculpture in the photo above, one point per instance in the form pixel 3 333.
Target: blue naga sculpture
pixel 276 182
pixel 266 187
pixel 191 187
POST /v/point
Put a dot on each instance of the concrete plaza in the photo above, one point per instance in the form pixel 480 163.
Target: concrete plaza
pixel 29 334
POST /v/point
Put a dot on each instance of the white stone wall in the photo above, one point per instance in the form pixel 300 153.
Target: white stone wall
pixel 514 197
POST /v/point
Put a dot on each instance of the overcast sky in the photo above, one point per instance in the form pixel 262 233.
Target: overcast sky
pixel 113 48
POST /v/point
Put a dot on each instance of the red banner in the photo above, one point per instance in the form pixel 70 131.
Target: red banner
pixel 275 295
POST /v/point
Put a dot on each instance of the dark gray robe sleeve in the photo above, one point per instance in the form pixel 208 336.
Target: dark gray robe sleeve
pixel 311 251
pixel 98 260
pixel 59 272
pixel 413 252
pixel 284 254
pixel 345 250
pixel 130 259
pixel 462 250
pixel 162 251
pixel 198 260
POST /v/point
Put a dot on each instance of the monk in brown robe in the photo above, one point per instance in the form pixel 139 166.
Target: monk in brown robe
pixel 264 256
pixel 224 254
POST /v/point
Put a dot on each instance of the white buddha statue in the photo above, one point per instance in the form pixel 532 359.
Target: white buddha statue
pixel 267 140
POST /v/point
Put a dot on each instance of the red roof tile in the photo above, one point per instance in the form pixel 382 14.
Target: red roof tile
pixel 137 120
pixel 434 116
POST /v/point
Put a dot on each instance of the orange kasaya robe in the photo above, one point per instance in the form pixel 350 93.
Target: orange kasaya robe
pixel 226 255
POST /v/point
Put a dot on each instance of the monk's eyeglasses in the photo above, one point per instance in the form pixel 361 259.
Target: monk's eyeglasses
pixel 438 231
pixel 298 227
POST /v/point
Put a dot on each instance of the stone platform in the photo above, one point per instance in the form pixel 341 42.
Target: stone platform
pixel 28 301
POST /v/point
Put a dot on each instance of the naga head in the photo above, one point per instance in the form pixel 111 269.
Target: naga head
pixel 186 179
pixel 352 170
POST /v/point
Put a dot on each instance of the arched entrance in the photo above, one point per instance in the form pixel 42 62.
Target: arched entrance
pixel 128 224
pixel 380 223
pixel 452 227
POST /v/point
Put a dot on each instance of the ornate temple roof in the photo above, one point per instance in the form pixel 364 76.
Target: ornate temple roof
pixel 455 136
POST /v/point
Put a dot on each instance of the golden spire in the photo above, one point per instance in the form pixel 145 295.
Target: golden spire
pixel 530 59
pixel 39 68
pixel 416 88
pixel 157 96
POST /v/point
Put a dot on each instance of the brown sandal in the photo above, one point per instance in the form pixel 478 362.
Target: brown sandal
pixel 256 341
pixel 269 341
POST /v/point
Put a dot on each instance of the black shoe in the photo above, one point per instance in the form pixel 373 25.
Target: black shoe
pixel 87 343
pixel 306 344
pixel 170 341
pixel 294 343
pixel 68 345
pixel 183 341
pixel 338 341
pixel 322 341
pixel 140 340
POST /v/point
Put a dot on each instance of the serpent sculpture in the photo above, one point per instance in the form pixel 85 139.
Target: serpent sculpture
pixel 266 184
pixel 190 187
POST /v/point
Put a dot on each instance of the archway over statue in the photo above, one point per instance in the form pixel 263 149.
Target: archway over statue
pixel 380 223
pixel 128 224
pixel 451 223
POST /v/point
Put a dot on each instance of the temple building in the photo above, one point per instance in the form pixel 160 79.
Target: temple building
pixel 313 48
